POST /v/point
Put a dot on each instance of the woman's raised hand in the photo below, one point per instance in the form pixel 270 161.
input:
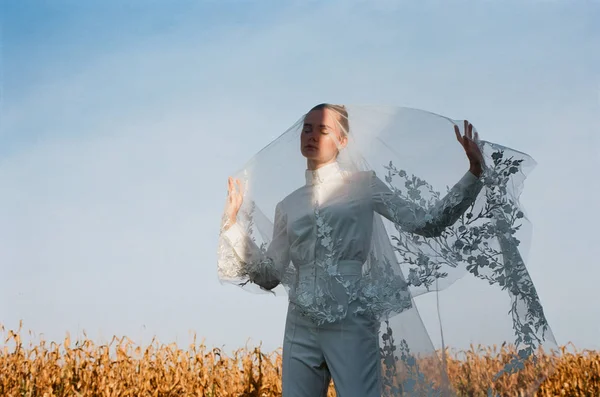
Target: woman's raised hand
pixel 235 198
pixel 469 144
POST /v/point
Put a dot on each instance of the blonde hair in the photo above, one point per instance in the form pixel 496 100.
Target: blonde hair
pixel 342 114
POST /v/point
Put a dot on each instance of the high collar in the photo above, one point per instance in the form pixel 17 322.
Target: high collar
pixel 323 174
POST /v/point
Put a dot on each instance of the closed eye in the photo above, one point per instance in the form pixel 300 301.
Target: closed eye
pixel 324 129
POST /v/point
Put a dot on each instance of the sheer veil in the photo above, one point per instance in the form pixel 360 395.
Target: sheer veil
pixel 471 274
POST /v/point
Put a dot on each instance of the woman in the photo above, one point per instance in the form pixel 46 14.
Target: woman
pixel 341 284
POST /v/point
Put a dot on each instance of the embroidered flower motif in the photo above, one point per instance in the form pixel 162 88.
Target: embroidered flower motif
pixel 433 236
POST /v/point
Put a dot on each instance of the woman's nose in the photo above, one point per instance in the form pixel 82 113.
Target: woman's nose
pixel 311 136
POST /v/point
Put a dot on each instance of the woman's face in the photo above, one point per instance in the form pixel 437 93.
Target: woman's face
pixel 321 136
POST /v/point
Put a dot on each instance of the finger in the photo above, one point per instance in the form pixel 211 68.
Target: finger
pixel 466 127
pixel 470 131
pixel 457 132
pixel 476 136
pixel 238 191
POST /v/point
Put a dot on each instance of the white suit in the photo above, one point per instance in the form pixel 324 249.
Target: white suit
pixel 325 230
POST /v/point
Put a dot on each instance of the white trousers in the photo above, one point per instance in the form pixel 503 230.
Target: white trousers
pixel 347 351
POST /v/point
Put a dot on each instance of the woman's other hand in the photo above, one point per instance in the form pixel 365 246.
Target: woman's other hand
pixel 469 144
pixel 235 198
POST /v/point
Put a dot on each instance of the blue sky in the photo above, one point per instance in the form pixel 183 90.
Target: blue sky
pixel 121 121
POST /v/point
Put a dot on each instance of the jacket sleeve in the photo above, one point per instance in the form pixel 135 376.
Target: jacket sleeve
pixel 415 219
pixel 262 267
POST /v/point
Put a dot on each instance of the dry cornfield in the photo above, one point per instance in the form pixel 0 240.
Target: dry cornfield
pixel 121 368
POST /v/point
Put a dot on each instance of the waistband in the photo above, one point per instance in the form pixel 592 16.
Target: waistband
pixel 344 268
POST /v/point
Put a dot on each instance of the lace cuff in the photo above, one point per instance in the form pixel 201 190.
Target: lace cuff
pixel 234 234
